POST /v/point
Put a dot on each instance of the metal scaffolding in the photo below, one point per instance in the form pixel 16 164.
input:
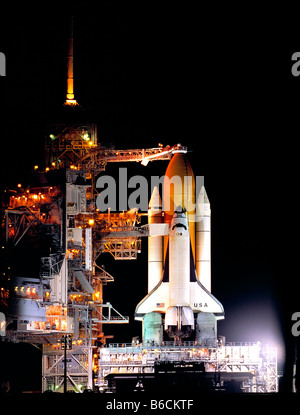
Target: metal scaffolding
pixel 253 367
pixel 66 295
pixel 269 373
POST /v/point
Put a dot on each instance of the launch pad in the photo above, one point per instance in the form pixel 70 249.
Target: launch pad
pixel 65 295
pixel 53 234
pixel 232 367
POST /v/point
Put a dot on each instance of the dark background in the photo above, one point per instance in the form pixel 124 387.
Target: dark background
pixel 216 79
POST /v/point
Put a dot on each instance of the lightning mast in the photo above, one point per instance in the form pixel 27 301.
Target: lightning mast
pixel 70 97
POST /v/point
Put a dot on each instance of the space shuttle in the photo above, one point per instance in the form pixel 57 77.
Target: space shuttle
pixel 179 304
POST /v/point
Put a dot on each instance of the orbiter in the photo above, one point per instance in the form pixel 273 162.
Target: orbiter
pixel 179 304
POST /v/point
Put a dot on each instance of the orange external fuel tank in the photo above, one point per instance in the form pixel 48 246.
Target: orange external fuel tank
pixel 179 190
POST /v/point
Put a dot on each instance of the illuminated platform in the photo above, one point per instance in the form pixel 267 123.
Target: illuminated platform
pixel 248 367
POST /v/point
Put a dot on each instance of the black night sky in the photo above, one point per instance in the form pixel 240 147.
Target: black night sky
pixel 216 79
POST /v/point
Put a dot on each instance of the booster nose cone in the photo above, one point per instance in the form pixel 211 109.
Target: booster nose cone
pixel 155 201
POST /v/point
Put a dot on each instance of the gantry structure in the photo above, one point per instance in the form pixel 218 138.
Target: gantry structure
pixel 56 223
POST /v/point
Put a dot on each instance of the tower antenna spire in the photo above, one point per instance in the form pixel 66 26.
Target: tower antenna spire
pixel 70 97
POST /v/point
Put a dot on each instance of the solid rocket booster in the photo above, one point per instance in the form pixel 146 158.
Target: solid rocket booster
pixel 203 241
pixel 155 251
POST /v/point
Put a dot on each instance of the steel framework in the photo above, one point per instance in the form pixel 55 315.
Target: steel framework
pixel 253 366
pixel 68 291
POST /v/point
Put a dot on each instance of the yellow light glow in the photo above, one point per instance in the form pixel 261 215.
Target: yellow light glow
pixel 71 102
pixel 64 324
pixel 47 169
pixel 19 185
pixel 97 296
pixel 91 222
pixel 36 167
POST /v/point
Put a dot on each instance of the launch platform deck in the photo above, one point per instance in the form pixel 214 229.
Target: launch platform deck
pixel 249 365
